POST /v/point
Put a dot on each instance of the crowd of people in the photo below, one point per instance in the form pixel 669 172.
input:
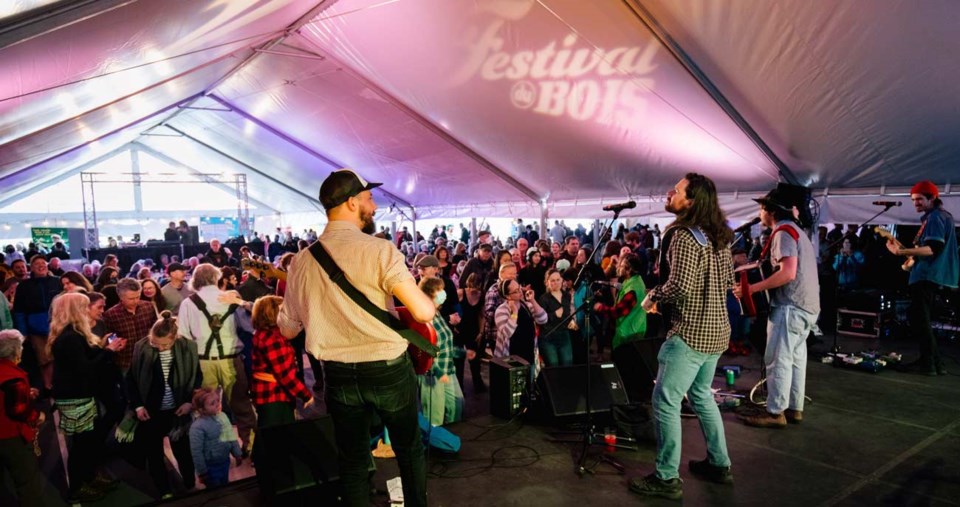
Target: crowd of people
pixel 185 351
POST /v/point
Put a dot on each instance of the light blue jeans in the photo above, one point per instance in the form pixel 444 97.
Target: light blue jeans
pixel 685 371
pixel 786 357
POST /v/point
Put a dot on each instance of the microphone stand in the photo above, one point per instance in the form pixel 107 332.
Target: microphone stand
pixel 589 437
pixel 836 286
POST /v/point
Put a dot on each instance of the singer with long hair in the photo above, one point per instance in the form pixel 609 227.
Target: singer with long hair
pixel 697 271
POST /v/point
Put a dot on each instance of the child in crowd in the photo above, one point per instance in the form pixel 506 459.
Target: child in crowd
pixel 275 387
pixel 440 392
pixel 212 439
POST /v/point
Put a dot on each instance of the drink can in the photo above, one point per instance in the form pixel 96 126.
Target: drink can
pixel 730 378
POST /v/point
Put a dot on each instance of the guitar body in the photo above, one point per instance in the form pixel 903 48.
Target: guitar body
pixel 421 360
pixel 264 268
pixel 758 303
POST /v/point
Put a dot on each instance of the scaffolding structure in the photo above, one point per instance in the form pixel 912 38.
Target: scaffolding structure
pixel 89 180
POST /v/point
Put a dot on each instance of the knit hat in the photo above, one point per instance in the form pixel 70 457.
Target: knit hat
pixel 926 187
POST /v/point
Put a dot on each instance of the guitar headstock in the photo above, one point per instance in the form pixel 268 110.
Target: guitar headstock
pixel 885 234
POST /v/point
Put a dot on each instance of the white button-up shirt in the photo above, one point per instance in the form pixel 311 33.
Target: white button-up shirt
pixel 194 325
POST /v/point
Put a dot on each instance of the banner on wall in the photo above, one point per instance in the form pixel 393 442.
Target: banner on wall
pixel 222 228
pixel 45 237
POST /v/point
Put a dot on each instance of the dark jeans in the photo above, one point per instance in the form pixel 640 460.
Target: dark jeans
pixel 149 438
pixel 921 303
pixel 274 414
pixel 355 392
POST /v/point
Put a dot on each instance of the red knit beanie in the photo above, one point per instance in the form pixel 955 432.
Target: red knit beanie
pixel 926 187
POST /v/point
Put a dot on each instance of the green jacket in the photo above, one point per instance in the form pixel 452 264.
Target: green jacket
pixel 632 326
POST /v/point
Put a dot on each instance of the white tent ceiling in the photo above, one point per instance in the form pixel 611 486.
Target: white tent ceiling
pixel 490 107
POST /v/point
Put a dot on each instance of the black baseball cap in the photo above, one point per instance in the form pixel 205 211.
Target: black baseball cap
pixel 342 185
pixel 175 266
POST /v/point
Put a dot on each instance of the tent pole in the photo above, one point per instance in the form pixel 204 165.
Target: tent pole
pixel 596 234
pixel 543 219
pixel 413 228
pixel 473 233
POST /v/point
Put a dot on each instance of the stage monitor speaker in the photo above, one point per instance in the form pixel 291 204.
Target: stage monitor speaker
pixel 297 456
pixel 509 377
pixel 563 389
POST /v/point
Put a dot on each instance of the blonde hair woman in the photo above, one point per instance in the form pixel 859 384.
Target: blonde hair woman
pixel 78 355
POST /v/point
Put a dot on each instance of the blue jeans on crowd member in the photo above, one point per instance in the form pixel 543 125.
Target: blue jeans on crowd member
pixel 557 349
pixel 786 357
pixel 685 371
pixel 355 392
pixel 218 474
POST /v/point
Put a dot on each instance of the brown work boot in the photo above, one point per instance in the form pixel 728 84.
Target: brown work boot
pixel 793 416
pixel 766 420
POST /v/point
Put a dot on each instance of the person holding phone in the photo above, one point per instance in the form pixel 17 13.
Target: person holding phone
pixel 516 321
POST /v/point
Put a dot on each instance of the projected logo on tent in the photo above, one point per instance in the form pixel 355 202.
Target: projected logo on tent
pixel 565 77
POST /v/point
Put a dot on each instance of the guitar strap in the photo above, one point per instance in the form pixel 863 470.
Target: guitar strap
pixel 786 228
pixel 916 239
pixel 337 276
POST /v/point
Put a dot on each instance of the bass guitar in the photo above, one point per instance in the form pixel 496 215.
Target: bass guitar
pixel 885 234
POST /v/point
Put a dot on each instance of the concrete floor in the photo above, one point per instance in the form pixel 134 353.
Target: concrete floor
pixel 883 438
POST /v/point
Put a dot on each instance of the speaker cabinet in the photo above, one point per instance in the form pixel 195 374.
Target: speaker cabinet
pixel 563 389
pixel 509 377
pixel 296 456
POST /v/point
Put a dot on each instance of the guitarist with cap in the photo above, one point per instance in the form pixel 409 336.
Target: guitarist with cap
pixel 935 265
pixel 794 308
pixel 365 362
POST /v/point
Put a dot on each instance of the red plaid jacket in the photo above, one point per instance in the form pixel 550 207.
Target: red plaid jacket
pixel 274 356
pixel 18 417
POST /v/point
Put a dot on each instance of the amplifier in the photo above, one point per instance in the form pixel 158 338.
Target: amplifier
pixel 864 324
pixel 868 301
pixel 509 377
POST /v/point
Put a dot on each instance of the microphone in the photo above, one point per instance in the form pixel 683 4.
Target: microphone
pixel 621 206
pixel 615 285
pixel 746 227
pixel 888 204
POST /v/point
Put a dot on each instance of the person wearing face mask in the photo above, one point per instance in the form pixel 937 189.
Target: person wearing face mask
pixel 440 393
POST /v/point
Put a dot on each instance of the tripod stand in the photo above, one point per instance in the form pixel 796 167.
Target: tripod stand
pixel 588 435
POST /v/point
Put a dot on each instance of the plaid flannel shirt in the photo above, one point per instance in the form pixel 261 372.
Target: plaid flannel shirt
pixel 697 292
pixel 131 326
pixel 274 355
pixel 443 363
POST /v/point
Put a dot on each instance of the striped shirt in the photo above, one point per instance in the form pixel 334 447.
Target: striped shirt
pixel 697 290
pixel 166 361
pixel 337 328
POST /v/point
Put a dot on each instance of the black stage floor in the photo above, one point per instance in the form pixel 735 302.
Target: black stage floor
pixel 884 438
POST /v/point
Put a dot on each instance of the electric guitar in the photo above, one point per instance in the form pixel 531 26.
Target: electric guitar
pixel 421 360
pixel 264 269
pixel 885 234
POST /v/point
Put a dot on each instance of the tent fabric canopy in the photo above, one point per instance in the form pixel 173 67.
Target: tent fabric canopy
pixel 490 107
